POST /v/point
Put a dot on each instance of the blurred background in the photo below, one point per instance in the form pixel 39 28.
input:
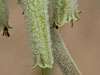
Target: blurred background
pixel 83 42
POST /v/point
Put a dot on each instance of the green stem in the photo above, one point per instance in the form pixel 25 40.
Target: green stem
pixel 62 55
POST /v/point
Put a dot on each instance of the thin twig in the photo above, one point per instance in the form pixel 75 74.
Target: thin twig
pixel 42 70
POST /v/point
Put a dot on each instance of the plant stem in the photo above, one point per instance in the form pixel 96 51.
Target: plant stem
pixel 62 55
pixel 42 70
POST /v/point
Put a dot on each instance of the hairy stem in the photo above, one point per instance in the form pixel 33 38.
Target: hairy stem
pixel 62 55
